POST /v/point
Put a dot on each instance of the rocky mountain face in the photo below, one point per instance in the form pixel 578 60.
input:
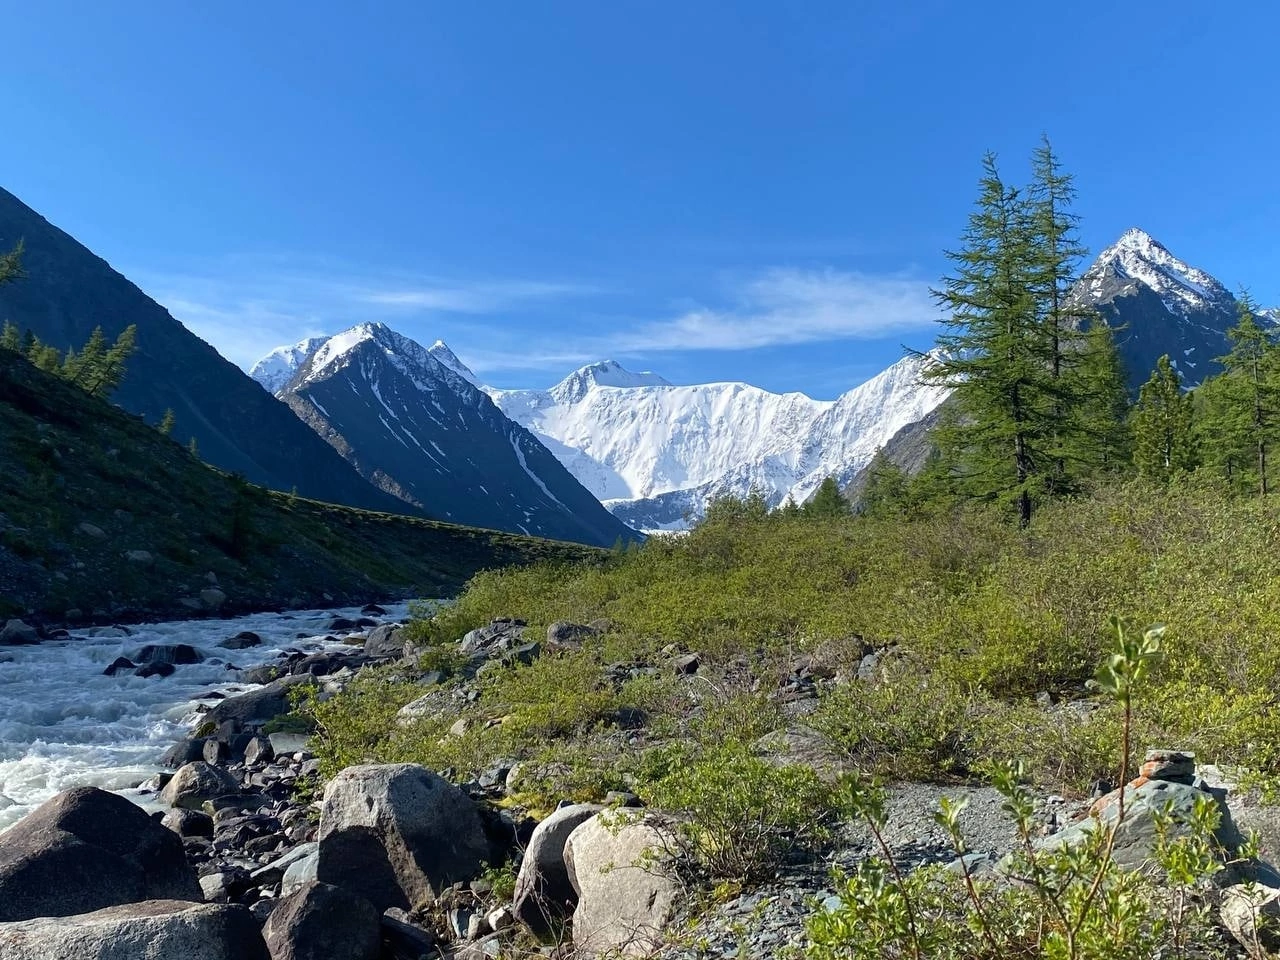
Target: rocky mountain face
pixel 655 453
pixel 412 421
pixel 1158 304
pixel 68 291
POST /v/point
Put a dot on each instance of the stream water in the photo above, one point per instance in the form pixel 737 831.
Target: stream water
pixel 63 723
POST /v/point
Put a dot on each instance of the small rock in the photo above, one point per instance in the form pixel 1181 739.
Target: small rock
pixel 687 664
pixel 118 665
pixel 140 557
pixel 1251 913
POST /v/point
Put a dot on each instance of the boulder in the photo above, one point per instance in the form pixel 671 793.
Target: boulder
pixel 321 922
pixel 241 641
pixel 1135 840
pixel 119 665
pixel 196 782
pixel 502 633
pixel 258 751
pixel 86 849
pixel 175 653
pixel 18 633
pixel 385 641
pixel 153 929
pixel 256 707
pixel 397 834
pixel 211 598
pixel 1251 913
pixel 141 557
pixel 188 823
pixel 91 530
pixel 274 871
pixel 543 891
pixel 302 870
pixel 156 670
pixel 184 751
pixel 564 633
pixel 626 894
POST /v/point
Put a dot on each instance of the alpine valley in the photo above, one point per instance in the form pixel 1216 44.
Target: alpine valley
pixel 654 453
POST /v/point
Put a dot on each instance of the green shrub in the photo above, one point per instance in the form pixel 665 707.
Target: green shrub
pixel 738 815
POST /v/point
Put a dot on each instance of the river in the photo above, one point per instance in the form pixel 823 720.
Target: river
pixel 63 723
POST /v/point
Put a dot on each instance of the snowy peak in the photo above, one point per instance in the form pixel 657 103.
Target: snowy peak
pixel 449 360
pixel 1141 259
pixel 605 373
pixel 655 452
pixel 316 358
pixel 278 367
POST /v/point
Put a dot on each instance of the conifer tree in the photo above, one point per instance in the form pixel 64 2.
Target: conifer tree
pixel 11 264
pixel 10 337
pixel 1099 440
pixel 166 422
pixel 1253 370
pixel 1162 434
pixel 1054 249
pixel 995 357
pixel 887 489
pixel 828 501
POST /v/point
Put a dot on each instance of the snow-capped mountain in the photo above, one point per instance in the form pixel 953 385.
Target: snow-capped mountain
pixel 411 420
pixel 278 367
pixel 1158 304
pixel 655 452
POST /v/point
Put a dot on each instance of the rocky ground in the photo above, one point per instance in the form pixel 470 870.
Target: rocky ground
pixel 253 861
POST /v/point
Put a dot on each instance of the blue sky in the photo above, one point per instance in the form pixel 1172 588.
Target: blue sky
pixel 731 190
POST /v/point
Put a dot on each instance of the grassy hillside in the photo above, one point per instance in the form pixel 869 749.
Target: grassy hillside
pixel 988 640
pixel 101 514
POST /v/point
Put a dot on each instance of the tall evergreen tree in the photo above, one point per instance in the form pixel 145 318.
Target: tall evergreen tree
pixel 1099 440
pixel 1055 251
pixel 887 489
pixel 167 422
pixel 11 264
pixel 828 501
pixel 10 337
pixel 1162 434
pixel 1253 367
pixel 994 355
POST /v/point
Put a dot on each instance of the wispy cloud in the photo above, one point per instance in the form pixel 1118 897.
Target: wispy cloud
pixel 787 306
pixel 509 326
pixel 246 310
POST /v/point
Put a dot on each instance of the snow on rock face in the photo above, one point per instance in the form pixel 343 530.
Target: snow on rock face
pixel 414 423
pixel 1140 258
pixel 446 357
pixel 652 449
pixel 278 367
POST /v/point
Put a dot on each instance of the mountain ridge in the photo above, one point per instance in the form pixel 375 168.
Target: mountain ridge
pixel 68 290
pixel 412 422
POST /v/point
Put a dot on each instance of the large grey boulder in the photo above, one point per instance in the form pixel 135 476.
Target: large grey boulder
pixel 151 930
pixel 626 891
pixel 87 849
pixel 196 782
pixel 543 891
pixel 17 633
pixel 385 641
pixel 397 834
pixel 320 922
pixel 255 708
pixel 1136 833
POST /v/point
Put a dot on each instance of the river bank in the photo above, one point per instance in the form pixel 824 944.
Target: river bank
pixel 65 722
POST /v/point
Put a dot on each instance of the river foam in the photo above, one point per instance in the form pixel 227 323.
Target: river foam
pixel 63 723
